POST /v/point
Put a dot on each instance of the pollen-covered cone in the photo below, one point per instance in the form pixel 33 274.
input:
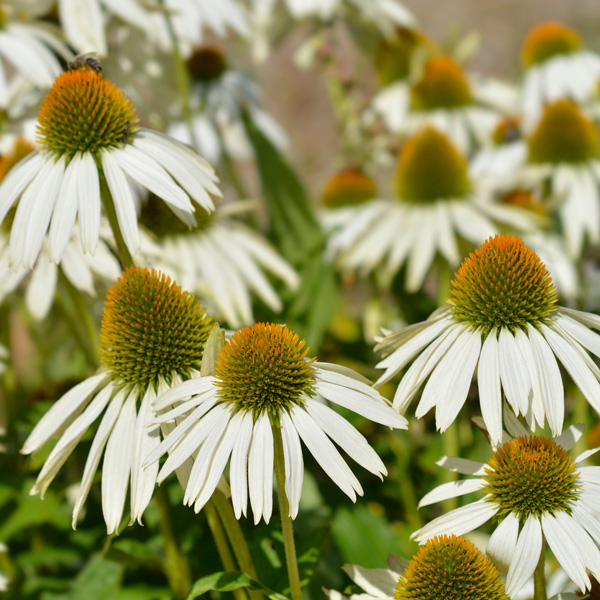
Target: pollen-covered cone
pixel 501 320
pixel 447 567
pixel 89 141
pixel 264 386
pixel 152 337
pixel 534 490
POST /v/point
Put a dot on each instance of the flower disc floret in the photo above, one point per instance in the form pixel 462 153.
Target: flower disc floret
pixel 548 40
pixel 431 168
pixel 451 568
pixel 531 476
pixel 564 134
pixel 151 328
pixel 264 368
pixel 348 188
pixel 206 64
pixel 502 284
pixel 83 112
pixel 443 85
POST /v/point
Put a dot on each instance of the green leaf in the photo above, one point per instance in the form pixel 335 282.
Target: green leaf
pixel 363 537
pixel 227 582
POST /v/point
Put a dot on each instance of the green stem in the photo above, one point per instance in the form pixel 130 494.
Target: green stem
pixel 406 488
pixel 581 412
pixel 236 538
pixel 286 520
pixel 539 577
pixel 85 319
pixel 450 448
pixel 176 565
pixel 218 534
pixel 181 76
pixel 109 208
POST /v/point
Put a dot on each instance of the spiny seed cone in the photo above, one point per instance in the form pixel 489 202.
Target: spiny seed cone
pixel 206 64
pixel 564 134
pixel 264 368
pixel 150 328
pixel 450 568
pixel 163 222
pixel 443 85
pixel 524 199
pixel 393 55
pixel 507 131
pixel 431 168
pixel 83 112
pixel 548 40
pixel 20 149
pixel 347 188
pixel 530 476
pixel 502 284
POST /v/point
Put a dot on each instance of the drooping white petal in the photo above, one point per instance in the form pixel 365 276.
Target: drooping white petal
pixel 89 203
pixel 93 460
pixel 116 468
pixel 464 466
pixel 62 411
pixel 238 468
pixel 294 462
pixel 346 436
pixel 526 556
pixel 502 544
pixel 260 469
pixel 378 583
pixel 325 453
pixel 490 395
pixel 513 372
pixel 18 178
pixel 42 286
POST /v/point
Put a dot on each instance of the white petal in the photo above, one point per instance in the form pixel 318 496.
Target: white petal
pixel 294 463
pixel 490 395
pixel 260 469
pixel 452 489
pixel 502 544
pixel 238 468
pixel 462 465
pixel 513 372
pixel 526 556
pixel 117 464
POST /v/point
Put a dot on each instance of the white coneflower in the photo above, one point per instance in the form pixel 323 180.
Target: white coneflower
pixel 444 568
pixel 535 491
pixel 437 203
pixel 501 321
pixel 222 260
pixel 87 133
pixel 443 96
pixel 561 156
pixel 557 66
pixel 31 50
pixel 263 381
pixel 218 95
pixel 152 336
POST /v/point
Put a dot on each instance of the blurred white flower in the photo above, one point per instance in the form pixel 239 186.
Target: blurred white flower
pixel 444 96
pixel 556 66
pixel 436 204
pixel 222 260
pixel 218 96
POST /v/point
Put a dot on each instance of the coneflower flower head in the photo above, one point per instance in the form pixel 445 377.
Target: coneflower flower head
pixel 152 337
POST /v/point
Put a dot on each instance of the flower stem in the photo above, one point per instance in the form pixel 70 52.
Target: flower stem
pixel 539 577
pixel 181 76
pixel 89 341
pixel 236 538
pixel 580 415
pixel 176 564
pixel 109 208
pixel 286 520
pixel 220 538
